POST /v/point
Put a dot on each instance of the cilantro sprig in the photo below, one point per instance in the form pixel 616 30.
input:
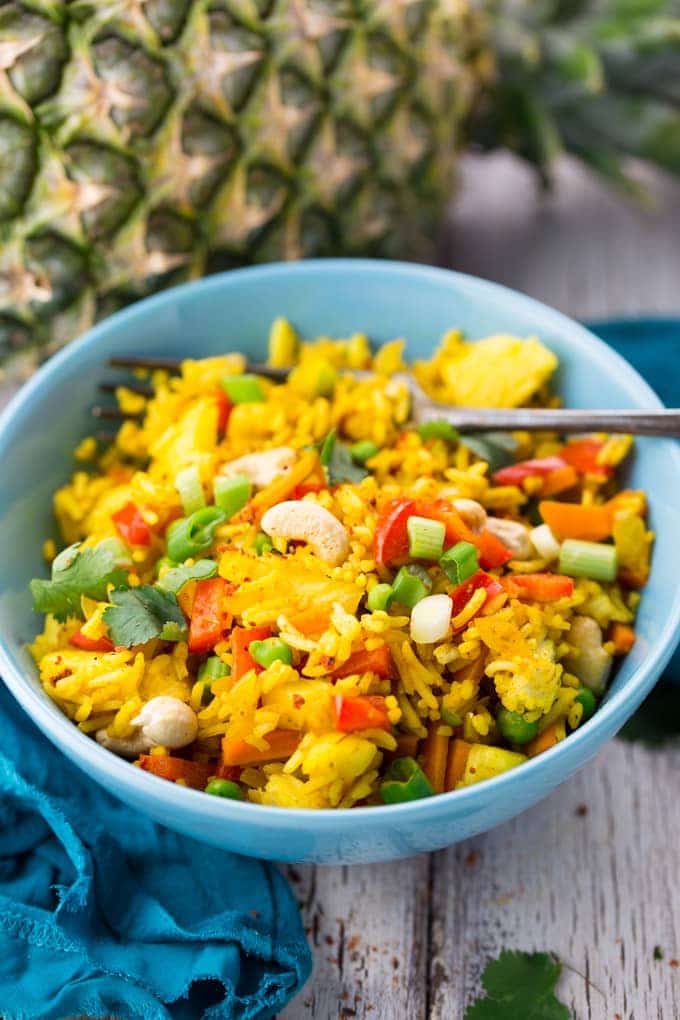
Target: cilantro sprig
pixel 173 580
pixel 76 572
pixel 336 460
pixel 137 615
pixel 520 986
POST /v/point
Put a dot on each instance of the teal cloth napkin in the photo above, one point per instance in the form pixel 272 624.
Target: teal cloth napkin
pixel 105 913
pixel 653 347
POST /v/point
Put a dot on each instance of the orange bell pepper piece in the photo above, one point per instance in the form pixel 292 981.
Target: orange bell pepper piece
pixel 571 520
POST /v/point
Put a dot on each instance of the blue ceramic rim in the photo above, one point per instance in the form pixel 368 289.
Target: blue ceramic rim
pixel 609 717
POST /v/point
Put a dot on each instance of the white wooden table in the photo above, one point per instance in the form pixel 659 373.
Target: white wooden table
pixel 592 872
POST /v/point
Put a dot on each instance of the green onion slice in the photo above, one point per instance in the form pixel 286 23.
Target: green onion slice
pixel 188 484
pixel 460 562
pixel 588 559
pixel 243 389
pixel 409 586
pixel 425 538
pixel 232 494
pixel 438 429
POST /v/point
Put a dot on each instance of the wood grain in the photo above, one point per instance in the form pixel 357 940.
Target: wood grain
pixel 592 872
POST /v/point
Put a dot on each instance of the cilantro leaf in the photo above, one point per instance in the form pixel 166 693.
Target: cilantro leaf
pixel 520 986
pixel 139 614
pixel 77 572
pixel 337 461
pixel 497 448
pixel 175 579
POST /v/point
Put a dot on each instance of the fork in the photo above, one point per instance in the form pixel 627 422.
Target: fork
pixel 659 422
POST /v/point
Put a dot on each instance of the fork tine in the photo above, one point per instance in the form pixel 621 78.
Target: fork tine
pixel 267 370
pixel 111 413
pixel 134 387
pixel 134 361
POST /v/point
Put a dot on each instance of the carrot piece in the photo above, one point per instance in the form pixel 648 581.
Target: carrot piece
pixel 312 622
pixel 366 712
pixel 282 743
pixel 407 745
pixel 571 520
pixel 378 661
pixel 435 757
pixel 544 741
pixel 242 660
pixel 622 637
pixel 559 480
pixel 582 455
pixel 166 766
pixel 457 761
pixel 208 616
pixel 280 489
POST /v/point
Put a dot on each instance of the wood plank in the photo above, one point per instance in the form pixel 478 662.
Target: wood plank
pixel 591 873
pixel 368 929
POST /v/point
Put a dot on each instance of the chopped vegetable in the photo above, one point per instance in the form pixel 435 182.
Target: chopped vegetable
pixel 165 766
pixel 131 526
pixel 450 718
pixel 455 768
pixel 514 727
pixel 425 538
pixel 88 644
pixel 545 543
pixel 375 660
pixel 460 562
pixel 435 757
pixel 232 494
pixel 520 985
pixel 485 762
pixel 188 484
pixel 439 429
pixel 363 451
pixel 208 615
pixel 262 543
pixel 281 744
pixel 431 619
pixel 409 588
pixel 368 712
pixel 391 535
pixel 539 587
pixel 492 552
pixel 213 669
pixel 588 559
pixel 582 455
pixel 269 651
pixel 544 741
pixel 175 578
pixel 241 639
pixel 243 389
pixel 622 637
pixel 404 781
pixel 193 535
pixel 515 474
pixel 224 406
pixel 225 788
pixel 338 463
pixel 571 520
pixel 559 481
pixel 79 571
pixel 139 614
pixel 586 698
pixel 461 595
pixel 379 597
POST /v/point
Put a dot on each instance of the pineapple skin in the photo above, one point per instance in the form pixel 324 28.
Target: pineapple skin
pixel 146 142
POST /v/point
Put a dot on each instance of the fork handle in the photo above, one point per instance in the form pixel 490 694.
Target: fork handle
pixel 663 422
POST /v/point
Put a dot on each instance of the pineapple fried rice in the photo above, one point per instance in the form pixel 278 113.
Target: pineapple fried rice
pixel 285 592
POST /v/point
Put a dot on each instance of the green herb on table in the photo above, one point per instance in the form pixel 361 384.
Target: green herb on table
pixel 338 463
pixel 77 572
pixel 658 953
pixel 520 986
pixel 139 614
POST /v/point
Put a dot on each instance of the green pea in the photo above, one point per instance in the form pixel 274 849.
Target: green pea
pixel 270 650
pixel 515 727
pixel 586 698
pixel 224 788
pixel 363 451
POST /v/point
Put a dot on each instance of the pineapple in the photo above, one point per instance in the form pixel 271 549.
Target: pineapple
pixel 145 142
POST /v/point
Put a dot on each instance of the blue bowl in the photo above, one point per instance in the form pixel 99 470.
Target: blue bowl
pixel 233 312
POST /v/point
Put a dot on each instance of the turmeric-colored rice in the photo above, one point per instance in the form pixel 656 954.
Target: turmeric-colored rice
pixel 334 685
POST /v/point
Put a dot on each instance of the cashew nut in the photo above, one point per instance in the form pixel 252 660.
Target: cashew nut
pixel 472 512
pixel 308 522
pixel 125 747
pixel 588 660
pixel 167 721
pixel 263 467
pixel 513 535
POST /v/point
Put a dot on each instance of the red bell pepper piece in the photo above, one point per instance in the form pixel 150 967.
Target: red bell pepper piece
pixel 88 644
pixel 514 474
pixel 224 407
pixel 166 766
pixel 492 552
pixel 539 587
pixel 582 454
pixel 391 537
pixel 368 712
pixel 301 490
pixel 208 617
pixel 131 526
pixel 231 772
pixel 461 595
pixel 242 660
pixel 378 661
